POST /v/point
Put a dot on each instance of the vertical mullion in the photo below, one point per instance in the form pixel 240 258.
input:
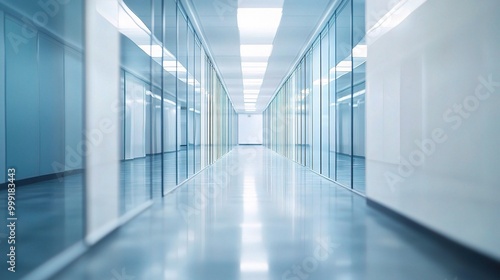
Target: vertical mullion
pixel 352 92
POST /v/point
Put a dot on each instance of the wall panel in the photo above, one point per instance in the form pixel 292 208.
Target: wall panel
pixel 52 111
pixel 432 118
pixel 73 118
pixel 22 103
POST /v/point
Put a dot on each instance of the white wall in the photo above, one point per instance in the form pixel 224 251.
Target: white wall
pixel 102 121
pixel 427 80
pixel 250 129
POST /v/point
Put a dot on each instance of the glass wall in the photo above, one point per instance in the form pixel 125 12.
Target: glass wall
pixel 42 142
pixel 321 105
pixel 175 117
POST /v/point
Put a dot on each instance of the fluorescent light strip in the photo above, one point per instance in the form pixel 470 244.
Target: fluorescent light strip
pixel 156 96
pixel 251 91
pixel 360 51
pixel 256 50
pixel 254 266
pixel 393 18
pixel 253 71
pixel 152 50
pixel 257 18
pixel 252 82
pixel 347 97
pixel 261 23
pixel 254 64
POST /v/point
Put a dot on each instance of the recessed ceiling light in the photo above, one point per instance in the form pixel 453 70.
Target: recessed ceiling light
pixel 172 66
pixel 254 64
pixel 128 21
pixel 152 50
pixel 253 71
pixel 254 266
pixel 252 82
pixel 258 18
pixel 256 50
pixel 344 66
pixel 356 94
pixel 251 91
pixel 360 51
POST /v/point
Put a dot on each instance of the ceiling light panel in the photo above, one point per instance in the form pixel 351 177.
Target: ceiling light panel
pixel 259 17
pixel 251 91
pixel 152 50
pixel 253 67
pixel 252 82
pixel 360 51
pixel 256 50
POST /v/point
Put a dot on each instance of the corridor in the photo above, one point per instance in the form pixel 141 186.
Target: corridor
pixel 257 215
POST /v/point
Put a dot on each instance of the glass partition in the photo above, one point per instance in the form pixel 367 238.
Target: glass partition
pixel 171 116
pixel 343 71
pixel 326 124
pixel 43 145
pixel 359 54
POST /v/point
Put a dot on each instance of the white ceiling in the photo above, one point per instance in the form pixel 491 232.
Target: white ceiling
pixel 218 21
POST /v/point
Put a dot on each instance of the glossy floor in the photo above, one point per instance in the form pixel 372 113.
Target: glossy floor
pixel 257 215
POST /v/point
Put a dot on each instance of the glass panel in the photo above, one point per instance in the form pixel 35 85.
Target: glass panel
pixel 332 103
pixel 133 167
pixel 182 76
pixel 197 108
pixel 156 105
pixel 169 96
pixel 302 96
pixel 316 107
pixel 343 66
pixel 325 104
pixel 291 117
pixel 138 106
pixel 359 72
pixel 41 120
pixel 308 109
pixel 190 104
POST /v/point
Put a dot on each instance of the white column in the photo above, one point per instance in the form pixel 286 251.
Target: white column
pixel 102 59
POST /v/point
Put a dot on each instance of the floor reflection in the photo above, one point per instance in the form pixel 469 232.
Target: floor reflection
pixel 256 215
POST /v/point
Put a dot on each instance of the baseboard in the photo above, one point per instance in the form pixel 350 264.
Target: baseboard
pixel 37 179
